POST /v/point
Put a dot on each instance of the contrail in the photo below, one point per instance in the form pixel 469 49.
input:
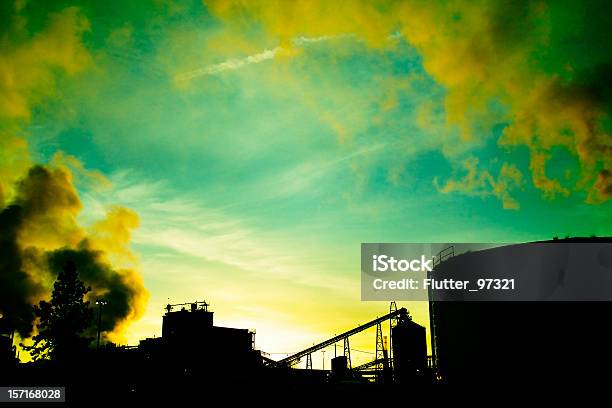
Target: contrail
pixel 268 54
pixel 231 64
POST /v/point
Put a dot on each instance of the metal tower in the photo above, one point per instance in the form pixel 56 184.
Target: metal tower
pixel 381 354
pixel 347 353
pixel 393 320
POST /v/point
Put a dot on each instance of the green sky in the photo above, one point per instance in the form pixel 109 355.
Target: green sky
pixel 261 142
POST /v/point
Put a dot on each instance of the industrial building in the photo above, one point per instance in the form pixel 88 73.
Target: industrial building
pixel 193 354
pixel 404 363
pixel 410 354
pixel 504 341
pixel 192 350
pixel 193 346
pixel 482 341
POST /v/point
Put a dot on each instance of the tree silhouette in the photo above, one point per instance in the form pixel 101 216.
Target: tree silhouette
pixel 62 321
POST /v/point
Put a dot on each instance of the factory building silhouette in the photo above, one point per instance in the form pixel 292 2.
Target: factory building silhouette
pixel 191 345
pixel 193 353
pixel 471 340
pixel 228 354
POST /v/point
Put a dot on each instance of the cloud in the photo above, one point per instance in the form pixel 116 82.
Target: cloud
pixel 309 174
pixel 29 62
pixel 287 20
pixel 525 65
pixel 39 203
pixel 14 161
pixel 30 65
pixel 182 224
pixel 570 114
pixel 478 182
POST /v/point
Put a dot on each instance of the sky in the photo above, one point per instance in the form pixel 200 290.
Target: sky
pixel 239 152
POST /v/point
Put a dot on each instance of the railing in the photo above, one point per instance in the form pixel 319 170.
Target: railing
pixel 443 255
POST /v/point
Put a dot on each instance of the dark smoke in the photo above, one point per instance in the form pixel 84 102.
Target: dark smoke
pixel 106 282
pixel 35 196
pixel 46 192
pixel 44 211
pixel 15 286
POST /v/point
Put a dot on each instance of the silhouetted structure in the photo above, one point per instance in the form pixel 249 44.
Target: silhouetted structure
pixel 474 341
pixel 524 342
pixel 193 346
pixel 193 354
pixel 409 353
pixel 339 368
pixel 411 347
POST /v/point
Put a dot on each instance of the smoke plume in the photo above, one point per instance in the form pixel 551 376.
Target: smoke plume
pixel 39 234
pixel 39 204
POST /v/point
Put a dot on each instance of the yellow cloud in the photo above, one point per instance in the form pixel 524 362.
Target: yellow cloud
pixel 40 202
pixel 93 179
pixel 287 20
pixel 479 182
pixel 14 161
pixel 28 63
pixel 112 234
pixel 481 53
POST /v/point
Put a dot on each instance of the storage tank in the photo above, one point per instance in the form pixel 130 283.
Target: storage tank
pixel 527 341
pixel 339 367
pixel 409 352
